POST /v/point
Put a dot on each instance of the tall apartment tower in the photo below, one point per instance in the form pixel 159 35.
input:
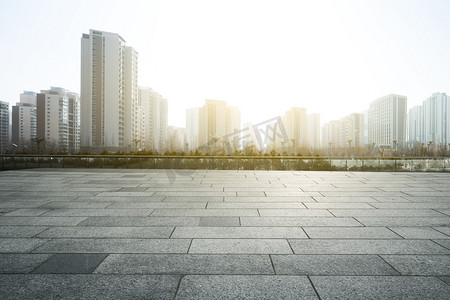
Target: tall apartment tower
pixel 23 126
pixel 58 120
pixel 192 122
pixel 415 128
pixel 296 124
pixel 347 132
pixel 217 120
pixel 387 121
pixel 108 92
pixel 313 128
pixel 435 119
pixel 155 117
pixel 4 126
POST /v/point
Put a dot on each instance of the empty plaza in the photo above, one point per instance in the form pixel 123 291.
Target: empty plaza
pixel 214 234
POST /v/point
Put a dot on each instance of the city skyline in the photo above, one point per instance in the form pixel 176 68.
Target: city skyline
pixel 335 54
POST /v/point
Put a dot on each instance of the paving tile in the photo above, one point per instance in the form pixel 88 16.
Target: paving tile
pixel 294 212
pixel 419 233
pixel 185 264
pixel 21 263
pixel 26 212
pixel 97 212
pixel 385 213
pixel 192 212
pixel 195 194
pixel 412 205
pixel 228 205
pixel 380 287
pixel 87 286
pixel 245 287
pixel 115 246
pixel 240 246
pixel 153 205
pixel 444 243
pixel 423 265
pixel 121 199
pixel 19 245
pixel 20 231
pixel 239 232
pixel 193 199
pixel 345 199
pixel 298 221
pixel 350 233
pixel 76 204
pixel 404 221
pixel 331 265
pixel 281 199
pixel 126 194
pixel 42 221
pixel 219 221
pixel 140 221
pixel 107 232
pixel 339 205
pixel 71 264
pixel 16 204
pixel 333 246
pixel 445 230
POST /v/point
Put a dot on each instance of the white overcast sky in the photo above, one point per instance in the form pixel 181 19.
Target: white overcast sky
pixel 332 57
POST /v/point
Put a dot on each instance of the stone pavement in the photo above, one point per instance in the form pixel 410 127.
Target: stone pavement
pixel 164 234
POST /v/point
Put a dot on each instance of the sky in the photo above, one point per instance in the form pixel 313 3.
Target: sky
pixel 333 57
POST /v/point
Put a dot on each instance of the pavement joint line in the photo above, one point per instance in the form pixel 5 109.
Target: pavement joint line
pixel 433 240
pixel 380 256
pixel 273 266
pixel 436 228
pixel 388 228
pixel 313 286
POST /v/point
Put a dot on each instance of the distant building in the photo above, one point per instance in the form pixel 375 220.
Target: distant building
pixel 155 116
pixel 347 132
pixel 177 139
pixel 23 126
pixel 192 123
pixel 415 125
pixel 435 119
pixel 387 121
pixel 4 126
pixel 218 124
pixel 58 120
pixel 295 122
pixel 314 131
pixel 108 92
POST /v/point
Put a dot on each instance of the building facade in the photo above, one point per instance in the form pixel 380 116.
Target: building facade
pixel 387 121
pixel 58 120
pixel 108 92
pixel 4 126
pixel 155 119
pixel 23 127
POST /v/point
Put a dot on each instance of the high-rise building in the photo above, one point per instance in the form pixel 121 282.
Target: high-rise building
pixel 58 120
pixel 219 122
pixel 192 122
pixel 415 125
pixel 296 123
pixel 176 139
pixel 387 121
pixel 28 97
pixel 435 119
pixel 345 133
pixel 313 127
pixel 155 115
pixel 4 126
pixel 108 92
pixel 23 126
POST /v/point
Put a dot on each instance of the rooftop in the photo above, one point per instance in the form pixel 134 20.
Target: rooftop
pixel 165 234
